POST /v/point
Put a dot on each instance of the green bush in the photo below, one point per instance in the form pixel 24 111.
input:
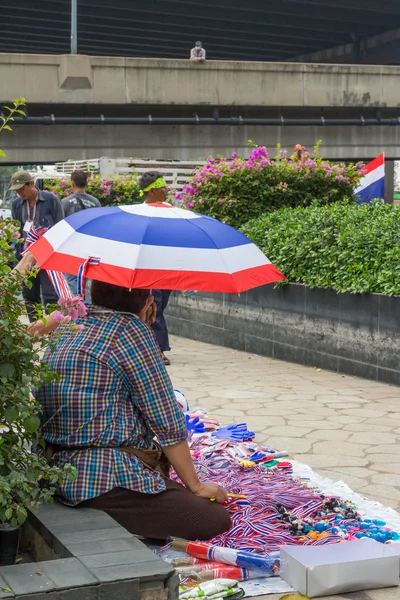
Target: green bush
pixel 347 247
pixel 26 480
pixel 238 189
pixel 110 192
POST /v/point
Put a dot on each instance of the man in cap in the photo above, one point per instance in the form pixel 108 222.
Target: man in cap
pixel 198 54
pixel 34 208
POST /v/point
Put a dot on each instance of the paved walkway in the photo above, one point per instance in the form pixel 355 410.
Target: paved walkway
pixel 343 427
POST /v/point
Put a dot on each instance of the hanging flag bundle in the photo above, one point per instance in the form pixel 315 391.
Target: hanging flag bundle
pixel 58 279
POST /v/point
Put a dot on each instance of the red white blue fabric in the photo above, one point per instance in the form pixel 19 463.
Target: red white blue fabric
pixel 58 280
pixel 155 246
pixel 372 185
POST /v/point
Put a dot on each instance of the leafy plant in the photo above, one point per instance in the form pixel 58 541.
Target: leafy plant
pixel 26 480
pixel 5 120
pixel 343 246
pixel 110 192
pixel 235 190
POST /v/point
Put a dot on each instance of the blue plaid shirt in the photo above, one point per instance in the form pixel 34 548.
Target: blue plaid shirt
pixel 113 391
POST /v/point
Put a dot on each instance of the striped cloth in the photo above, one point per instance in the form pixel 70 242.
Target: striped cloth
pixel 113 391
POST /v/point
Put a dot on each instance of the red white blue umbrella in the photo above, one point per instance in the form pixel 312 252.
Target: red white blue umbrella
pixel 154 246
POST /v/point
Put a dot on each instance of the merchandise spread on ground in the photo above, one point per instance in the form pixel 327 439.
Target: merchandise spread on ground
pixel 272 503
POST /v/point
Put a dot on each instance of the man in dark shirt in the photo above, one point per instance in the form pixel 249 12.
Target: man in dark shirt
pixel 77 201
pixel 34 208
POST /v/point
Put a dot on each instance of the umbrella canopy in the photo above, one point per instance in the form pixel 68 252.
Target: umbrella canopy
pixel 155 246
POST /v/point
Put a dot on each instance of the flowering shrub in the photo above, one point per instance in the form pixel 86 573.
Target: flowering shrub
pixel 22 473
pixel 235 190
pixel 110 192
pixel 346 247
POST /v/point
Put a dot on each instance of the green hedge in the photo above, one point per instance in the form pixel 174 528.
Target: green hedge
pixel 235 190
pixel 347 247
pixel 110 192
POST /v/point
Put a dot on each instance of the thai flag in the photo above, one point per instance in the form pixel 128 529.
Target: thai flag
pixel 372 185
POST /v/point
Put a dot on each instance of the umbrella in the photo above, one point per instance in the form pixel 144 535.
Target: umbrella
pixel 154 246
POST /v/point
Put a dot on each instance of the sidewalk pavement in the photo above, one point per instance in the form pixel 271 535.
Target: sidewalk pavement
pixel 344 428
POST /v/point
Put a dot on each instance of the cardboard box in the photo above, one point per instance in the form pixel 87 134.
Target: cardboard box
pixel 340 568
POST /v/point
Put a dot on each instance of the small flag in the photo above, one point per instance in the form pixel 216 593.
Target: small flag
pixel 372 185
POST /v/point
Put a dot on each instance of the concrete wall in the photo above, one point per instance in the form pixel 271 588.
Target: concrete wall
pixel 355 334
pixel 42 143
pixel 67 79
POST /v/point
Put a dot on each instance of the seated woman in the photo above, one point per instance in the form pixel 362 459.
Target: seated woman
pixel 113 396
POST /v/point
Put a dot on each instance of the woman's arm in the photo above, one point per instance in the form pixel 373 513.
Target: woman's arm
pixel 180 458
pixel 138 355
pixel 41 328
pixel 25 264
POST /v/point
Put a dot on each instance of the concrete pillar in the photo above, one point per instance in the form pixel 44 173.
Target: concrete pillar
pixel 389 181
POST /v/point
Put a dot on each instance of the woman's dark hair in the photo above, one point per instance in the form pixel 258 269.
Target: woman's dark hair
pixel 148 178
pixel 118 298
pixel 79 178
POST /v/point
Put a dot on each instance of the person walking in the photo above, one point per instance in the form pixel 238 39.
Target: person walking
pixel 154 188
pixel 77 201
pixel 34 208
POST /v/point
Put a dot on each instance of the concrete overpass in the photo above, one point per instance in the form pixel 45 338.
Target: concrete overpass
pixel 77 79
pixel 195 109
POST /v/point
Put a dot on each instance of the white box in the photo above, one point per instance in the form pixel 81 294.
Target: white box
pixel 340 568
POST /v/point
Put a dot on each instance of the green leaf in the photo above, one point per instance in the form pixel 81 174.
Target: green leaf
pixel 6 127
pixel 6 590
pixel 31 423
pixel 6 370
pixel 2 153
pixel 8 514
pixel 11 414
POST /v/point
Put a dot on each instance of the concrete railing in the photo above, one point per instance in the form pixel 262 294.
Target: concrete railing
pixel 79 79
pixel 358 334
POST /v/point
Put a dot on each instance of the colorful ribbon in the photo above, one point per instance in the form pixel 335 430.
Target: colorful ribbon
pixel 257 525
pixel 82 274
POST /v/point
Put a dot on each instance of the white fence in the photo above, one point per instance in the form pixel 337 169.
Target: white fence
pixel 175 172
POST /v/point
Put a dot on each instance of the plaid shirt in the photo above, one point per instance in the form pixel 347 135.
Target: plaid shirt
pixel 113 391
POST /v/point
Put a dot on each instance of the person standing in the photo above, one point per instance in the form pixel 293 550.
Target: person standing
pixel 198 54
pixel 34 208
pixel 154 188
pixel 77 201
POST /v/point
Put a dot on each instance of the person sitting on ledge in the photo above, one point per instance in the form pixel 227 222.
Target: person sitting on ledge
pixel 112 397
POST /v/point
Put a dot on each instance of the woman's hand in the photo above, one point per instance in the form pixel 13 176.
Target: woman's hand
pixel 39 328
pixel 25 264
pixel 211 490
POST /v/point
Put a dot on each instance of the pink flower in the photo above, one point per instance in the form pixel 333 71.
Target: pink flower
pixel 81 308
pixel 73 313
pixel 59 317
pixel 79 328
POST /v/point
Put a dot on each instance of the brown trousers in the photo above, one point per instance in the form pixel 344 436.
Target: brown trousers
pixel 176 512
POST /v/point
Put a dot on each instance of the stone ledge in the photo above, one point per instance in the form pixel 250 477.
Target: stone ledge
pixel 97 560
